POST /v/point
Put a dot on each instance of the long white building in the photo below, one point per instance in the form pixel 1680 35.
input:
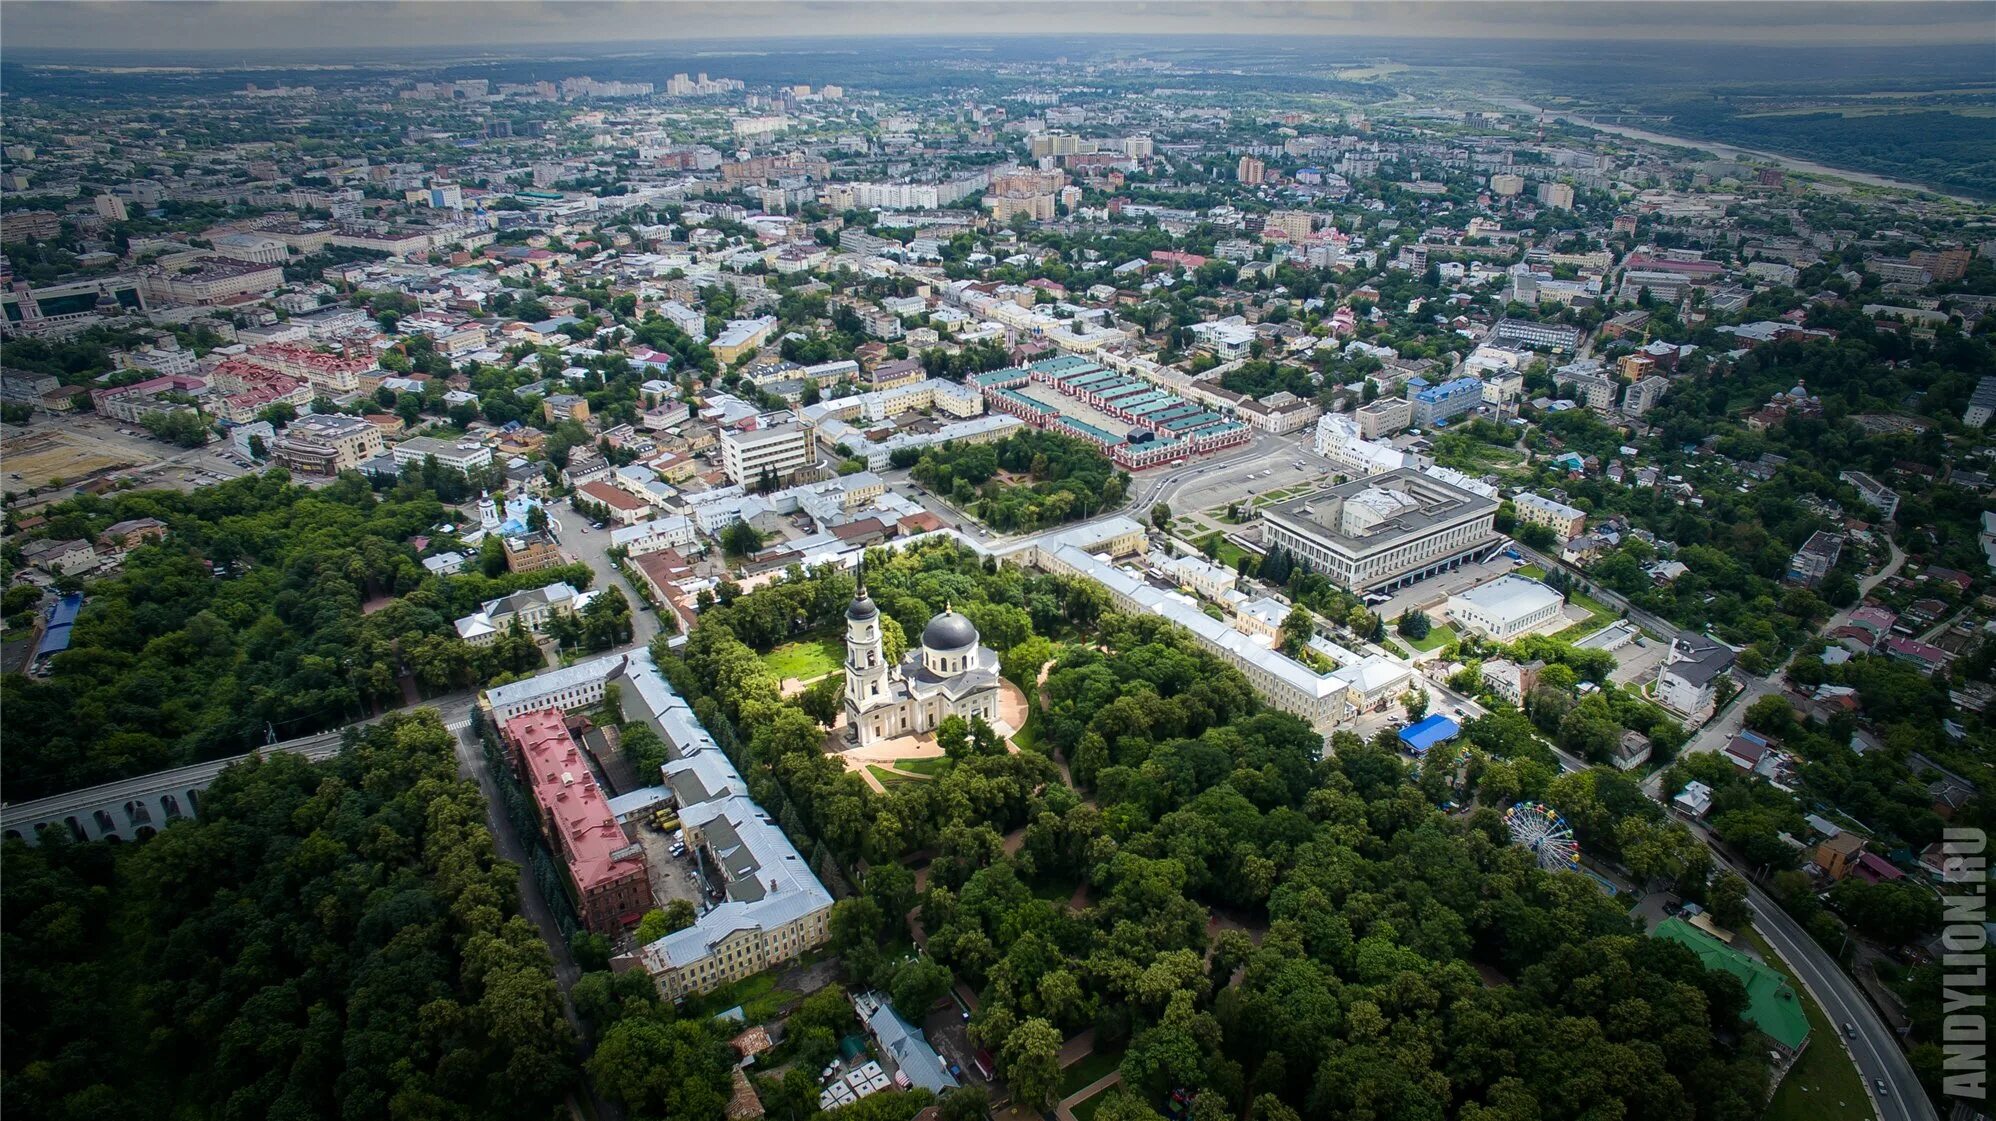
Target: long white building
pixel 1360 683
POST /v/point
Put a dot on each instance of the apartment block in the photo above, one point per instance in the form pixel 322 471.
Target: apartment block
pixel 778 450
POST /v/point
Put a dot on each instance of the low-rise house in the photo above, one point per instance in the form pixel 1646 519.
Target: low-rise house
pixel 1688 680
pixel 131 533
pixel 1695 799
pixel 1632 751
pixel 531 608
pixel 62 558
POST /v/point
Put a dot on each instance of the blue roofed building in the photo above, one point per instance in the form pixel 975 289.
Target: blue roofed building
pixel 56 624
pixel 1437 404
pixel 1436 729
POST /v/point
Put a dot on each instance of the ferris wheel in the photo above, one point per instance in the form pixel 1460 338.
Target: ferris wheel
pixel 1543 831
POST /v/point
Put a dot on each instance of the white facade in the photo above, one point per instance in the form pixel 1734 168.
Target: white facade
pixel 779 450
pixel 1507 608
pixel 952 674
pixel 1385 532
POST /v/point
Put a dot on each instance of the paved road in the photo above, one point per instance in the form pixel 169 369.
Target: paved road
pixel 1873 1047
pixel 592 547
pixel 1664 628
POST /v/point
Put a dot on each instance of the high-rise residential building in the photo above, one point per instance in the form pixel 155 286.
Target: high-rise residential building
pixel 1251 171
pixel 111 208
pixel 1507 185
pixel 1941 264
pixel 1294 224
pixel 1433 404
pixel 1559 196
pixel 1981 404
pixel 1644 394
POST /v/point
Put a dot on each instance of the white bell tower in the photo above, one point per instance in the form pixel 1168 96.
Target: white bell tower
pixel 866 661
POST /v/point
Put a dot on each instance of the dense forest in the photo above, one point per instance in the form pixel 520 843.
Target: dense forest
pixel 329 940
pixel 1027 481
pixel 1279 934
pixel 268 607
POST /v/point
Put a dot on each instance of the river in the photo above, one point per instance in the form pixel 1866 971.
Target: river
pixel 1734 152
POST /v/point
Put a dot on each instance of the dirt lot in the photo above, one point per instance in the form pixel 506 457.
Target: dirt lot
pixel 37 457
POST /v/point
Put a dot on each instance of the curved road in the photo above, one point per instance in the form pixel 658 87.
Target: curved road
pixel 1873 1047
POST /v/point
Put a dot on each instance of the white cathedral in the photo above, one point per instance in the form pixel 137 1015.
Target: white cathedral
pixel 951 675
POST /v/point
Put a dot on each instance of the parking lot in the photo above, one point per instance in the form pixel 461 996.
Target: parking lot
pixel 945 1029
pixel 1288 465
pixel 672 877
pixel 1635 663
pixel 76 449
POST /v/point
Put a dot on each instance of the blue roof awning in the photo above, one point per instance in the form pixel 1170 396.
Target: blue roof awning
pixel 1429 732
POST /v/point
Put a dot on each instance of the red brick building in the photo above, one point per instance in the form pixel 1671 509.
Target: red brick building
pixel 606 870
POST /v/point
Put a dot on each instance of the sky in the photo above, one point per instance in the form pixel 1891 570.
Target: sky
pixel 250 25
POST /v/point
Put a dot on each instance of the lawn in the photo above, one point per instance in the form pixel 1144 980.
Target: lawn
pixel 1533 572
pixel 1437 637
pixel 1027 737
pixel 1087 1069
pixel 933 766
pixel 1225 552
pixel 1601 613
pixel 806 661
pixel 1824 1084
pixel 758 996
pixel 889 778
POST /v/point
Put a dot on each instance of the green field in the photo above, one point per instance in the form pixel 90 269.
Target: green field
pixel 806 661
pixel 758 996
pixel 1224 551
pixel 1025 738
pixel 1824 1084
pixel 1601 615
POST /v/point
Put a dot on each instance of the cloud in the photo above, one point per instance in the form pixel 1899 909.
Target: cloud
pixel 258 25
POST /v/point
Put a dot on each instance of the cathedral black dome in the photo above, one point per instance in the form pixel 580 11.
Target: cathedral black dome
pixel 949 631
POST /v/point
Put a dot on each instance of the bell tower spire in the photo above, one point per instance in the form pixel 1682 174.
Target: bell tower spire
pixel 866 661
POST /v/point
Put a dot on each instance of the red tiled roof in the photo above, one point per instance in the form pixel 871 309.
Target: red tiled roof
pixel 616 498
pixel 566 791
